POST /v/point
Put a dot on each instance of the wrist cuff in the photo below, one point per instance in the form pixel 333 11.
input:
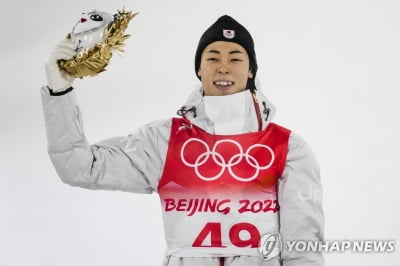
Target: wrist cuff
pixel 59 93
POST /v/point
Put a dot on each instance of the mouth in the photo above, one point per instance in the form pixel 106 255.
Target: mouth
pixel 223 84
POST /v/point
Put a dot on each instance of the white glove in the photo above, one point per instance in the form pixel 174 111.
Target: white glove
pixel 59 80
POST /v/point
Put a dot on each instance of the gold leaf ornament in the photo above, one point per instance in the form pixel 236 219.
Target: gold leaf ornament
pixel 90 61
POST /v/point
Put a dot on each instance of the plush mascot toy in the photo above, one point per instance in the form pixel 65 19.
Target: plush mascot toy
pixel 96 34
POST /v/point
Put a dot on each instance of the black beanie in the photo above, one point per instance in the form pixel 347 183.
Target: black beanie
pixel 229 30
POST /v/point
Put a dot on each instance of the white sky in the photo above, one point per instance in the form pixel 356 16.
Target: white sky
pixel 330 67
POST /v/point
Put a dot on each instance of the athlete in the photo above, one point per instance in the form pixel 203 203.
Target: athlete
pixel 234 186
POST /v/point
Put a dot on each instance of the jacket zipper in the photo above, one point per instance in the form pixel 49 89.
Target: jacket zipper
pixel 258 113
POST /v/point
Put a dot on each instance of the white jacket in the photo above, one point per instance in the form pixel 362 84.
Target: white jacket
pixel 135 163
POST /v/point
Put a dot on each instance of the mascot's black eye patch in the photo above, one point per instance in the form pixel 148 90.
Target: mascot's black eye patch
pixel 96 17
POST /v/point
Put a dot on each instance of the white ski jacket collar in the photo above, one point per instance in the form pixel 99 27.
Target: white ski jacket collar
pixel 259 111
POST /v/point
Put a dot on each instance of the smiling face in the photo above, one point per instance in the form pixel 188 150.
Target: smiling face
pixel 224 68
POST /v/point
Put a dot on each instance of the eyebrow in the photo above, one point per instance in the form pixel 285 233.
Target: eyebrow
pixel 218 52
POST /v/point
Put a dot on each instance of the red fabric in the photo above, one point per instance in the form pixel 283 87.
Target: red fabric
pixel 189 143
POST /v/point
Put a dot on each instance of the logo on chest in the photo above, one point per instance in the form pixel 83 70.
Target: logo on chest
pixel 226 157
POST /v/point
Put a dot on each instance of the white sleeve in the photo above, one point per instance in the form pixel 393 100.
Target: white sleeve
pixel 133 163
pixel 300 200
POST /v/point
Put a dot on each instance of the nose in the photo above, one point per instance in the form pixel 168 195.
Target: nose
pixel 223 69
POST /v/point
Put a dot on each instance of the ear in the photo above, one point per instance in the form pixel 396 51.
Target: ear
pixel 199 72
pixel 250 74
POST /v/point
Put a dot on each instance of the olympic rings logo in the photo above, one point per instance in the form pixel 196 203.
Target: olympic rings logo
pixel 234 160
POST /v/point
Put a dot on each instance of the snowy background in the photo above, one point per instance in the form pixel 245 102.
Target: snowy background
pixel 331 68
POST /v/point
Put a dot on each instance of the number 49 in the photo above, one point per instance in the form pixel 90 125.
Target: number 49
pixel 214 230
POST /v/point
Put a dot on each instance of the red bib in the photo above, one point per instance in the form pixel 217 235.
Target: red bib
pixel 218 192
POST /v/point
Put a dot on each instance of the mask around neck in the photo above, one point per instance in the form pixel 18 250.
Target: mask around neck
pixel 229 112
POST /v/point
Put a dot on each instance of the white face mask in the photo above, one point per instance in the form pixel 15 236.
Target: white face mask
pixel 91 28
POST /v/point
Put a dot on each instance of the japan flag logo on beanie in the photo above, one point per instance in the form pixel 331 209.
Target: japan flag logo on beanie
pixel 229 34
